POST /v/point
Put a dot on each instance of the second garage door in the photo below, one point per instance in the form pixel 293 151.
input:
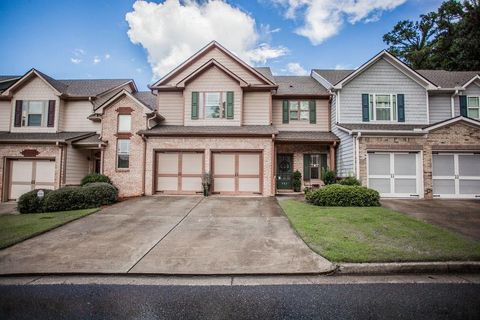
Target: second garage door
pixel 237 172
pixel 179 172
pixel 27 175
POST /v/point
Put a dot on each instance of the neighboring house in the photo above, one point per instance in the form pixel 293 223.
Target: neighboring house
pixel 212 114
pixel 404 132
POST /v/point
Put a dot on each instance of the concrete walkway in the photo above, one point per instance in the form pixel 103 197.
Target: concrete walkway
pixel 171 235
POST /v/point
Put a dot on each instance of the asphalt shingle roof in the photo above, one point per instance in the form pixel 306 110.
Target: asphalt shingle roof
pixel 386 126
pixel 333 76
pixel 266 72
pixel 162 130
pixel 147 98
pixel 298 85
pixel 313 136
pixel 448 79
pixel 41 137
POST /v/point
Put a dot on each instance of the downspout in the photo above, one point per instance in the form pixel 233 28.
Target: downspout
pixel 148 120
pixel 144 162
pixel 452 102
pixel 357 155
pixel 274 165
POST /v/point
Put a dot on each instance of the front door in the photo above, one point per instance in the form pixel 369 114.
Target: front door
pixel 284 171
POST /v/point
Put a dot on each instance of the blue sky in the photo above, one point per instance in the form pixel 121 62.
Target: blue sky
pixel 89 39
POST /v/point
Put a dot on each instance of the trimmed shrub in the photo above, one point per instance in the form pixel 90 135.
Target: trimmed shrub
pixel 30 203
pixel 349 181
pixel 95 177
pixel 337 195
pixel 91 195
pixel 297 181
pixel 328 176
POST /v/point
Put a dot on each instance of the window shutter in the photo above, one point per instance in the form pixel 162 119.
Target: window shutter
pixel 463 106
pixel 230 113
pixel 323 164
pixel 401 107
pixel 18 113
pixel 51 113
pixel 285 112
pixel 365 107
pixel 194 112
pixel 313 111
pixel 306 167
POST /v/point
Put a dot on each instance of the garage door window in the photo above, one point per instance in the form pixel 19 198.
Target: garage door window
pixel 123 154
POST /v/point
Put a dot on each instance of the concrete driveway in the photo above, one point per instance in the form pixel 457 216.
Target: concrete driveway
pixel 171 235
pixel 462 216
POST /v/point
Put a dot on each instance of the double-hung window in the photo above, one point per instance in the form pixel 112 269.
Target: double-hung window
pixel 315 166
pixel 124 123
pixel 383 107
pixel 299 110
pixel 473 105
pixel 214 106
pixel 123 153
pixel 34 113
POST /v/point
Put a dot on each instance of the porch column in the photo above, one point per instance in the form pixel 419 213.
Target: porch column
pixel 332 157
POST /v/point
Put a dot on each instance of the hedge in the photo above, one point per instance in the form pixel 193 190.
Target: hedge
pixel 95 177
pixel 92 195
pixel 349 181
pixel 30 203
pixel 337 195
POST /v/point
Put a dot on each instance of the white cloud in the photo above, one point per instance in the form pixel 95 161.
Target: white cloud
pixel 78 52
pixel 96 60
pixel 107 56
pixel 139 70
pixel 174 30
pixel 342 66
pixel 323 19
pixel 296 69
pixel 75 60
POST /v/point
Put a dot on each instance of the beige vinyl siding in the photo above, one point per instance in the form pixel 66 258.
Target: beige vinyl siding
pixel 35 89
pixel 224 60
pixel 74 117
pixel 383 77
pixel 77 165
pixel 5 109
pixel 301 125
pixel 217 81
pixel 171 106
pixel 256 108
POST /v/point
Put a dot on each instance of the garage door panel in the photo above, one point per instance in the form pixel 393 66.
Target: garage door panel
pixel 191 184
pixel 405 186
pixel 379 164
pixel 45 172
pixel 192 163
pixel 249 164
pixel 248 185
pixel 17 190
pixel 167 183
pixel 380 184
pixel 469 165
pixel 405 164
pixel 443 165
pixel 224 184
pixel 224 164
pixel 444 186
pixel 167 163
pixel 469 186
pixel 22 171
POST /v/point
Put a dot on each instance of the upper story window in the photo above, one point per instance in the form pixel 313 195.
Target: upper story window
pixel 299 110
pixel 383 107
pixel 123 153
pixel 473 105
pixel 214 105
pixel 34 113
pixel 124 123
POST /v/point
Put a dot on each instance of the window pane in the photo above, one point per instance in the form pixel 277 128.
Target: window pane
pixel 394 104
pixel 315 173
pixel 383 114
pixel 294 115
pixel 124 123
pixel 293 105
pixel 124 146
pixel 383 101
pixel 473 113
pixel 35 107
pixel 212 98
pixel 123 153
pixel 473 102
pixel 370 102
pixel 212 112
pixel 34 120
pixel 315 159
pixel 304 105
pixel 304 115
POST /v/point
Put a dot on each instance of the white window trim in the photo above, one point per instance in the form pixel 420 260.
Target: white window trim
pixel 223 111
pixel 44 119
pixel 130 124
pixel 373 115
pixel 478 108
pixel 119 153
pixel 299 110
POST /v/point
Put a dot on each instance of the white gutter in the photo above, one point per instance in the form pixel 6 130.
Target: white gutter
pixel 452 102
pixel 357 156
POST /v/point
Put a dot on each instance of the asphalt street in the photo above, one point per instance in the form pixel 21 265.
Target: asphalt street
pixel 338 301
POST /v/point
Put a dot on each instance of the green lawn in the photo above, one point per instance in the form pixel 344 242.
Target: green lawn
pixel 375 234
pixel 18 227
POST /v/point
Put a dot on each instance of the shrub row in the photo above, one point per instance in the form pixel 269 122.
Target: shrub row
pixel 91 195
pixel 95 177
pixel 336 195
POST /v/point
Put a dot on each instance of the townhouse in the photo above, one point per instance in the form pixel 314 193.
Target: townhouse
pixel 403 132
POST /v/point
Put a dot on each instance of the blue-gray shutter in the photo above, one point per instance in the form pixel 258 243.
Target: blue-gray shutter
pixel 194 105
pixel 463 106
pixel 365 108
pixel 313 111
pixel 285 113
pixel 401 107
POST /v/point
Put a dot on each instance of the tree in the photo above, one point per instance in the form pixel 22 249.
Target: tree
pixel 446 39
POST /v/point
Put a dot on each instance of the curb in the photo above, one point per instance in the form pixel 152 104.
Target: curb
pixel 409 267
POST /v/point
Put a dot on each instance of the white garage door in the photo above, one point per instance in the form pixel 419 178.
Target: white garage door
pixel 456 175
pixel 394 174
pixel 179 172
pixel 237 172
pixel 27 175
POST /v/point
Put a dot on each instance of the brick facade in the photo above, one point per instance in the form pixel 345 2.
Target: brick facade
pixel 208 144
pixel 458 137
pixel 14 151
pixel 128 181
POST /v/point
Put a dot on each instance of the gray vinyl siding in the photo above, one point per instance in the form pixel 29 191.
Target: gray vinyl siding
pixel 472 90
pixel 440 107
pixel 345 152
pixel 382 77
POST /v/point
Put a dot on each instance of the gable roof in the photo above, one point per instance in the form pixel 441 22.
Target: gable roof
pixel 141 98
pixel 206 66
pixel 298 85
pixel 200 53
pixel 452 121
pixel 74 87
pixel 333 76
pixel 449 79
pixel 267 72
